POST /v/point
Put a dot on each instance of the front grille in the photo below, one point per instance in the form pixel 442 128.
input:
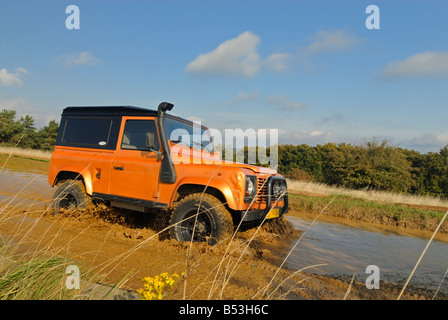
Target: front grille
pixel 262 192
pixel 277 187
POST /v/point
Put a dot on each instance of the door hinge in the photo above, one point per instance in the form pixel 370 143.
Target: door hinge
pixel 156 194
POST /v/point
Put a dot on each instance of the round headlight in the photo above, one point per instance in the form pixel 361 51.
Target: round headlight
pixel 250 188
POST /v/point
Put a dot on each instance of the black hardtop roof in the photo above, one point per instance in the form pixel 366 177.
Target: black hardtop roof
pixel 108 111
pixel 115 111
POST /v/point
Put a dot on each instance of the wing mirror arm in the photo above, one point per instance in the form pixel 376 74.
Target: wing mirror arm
pixel 151 144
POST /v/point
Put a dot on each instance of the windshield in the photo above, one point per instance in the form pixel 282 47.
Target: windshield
pixel 190 134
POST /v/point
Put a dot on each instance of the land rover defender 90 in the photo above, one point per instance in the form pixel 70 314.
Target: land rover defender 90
pixel 147 161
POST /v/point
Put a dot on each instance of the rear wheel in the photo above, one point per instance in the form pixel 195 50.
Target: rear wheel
pixel 201 218
pixel 70 194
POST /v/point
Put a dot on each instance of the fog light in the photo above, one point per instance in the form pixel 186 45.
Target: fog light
pixel 278 188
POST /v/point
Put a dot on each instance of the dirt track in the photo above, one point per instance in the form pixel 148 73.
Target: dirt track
pixel 117 245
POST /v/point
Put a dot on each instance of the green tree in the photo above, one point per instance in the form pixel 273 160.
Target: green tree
pixel 417 163
pixel 9 129
pixel 46 136
pixel 27 134
pixel 374 164
pixel 302 156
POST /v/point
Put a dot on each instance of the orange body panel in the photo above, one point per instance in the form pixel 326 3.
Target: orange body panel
pixel 134 173
pixel 89 163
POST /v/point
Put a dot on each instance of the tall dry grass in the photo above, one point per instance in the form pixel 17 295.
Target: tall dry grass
pixel 33 153
pixel 381 196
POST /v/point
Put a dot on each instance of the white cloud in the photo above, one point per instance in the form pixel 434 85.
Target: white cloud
pixel 428 141
pixel 331 40
pixel 284 102
pixel 9 79
pixel 325 41
pixel 427 64
pixel 306 137
pixel 277 62
pixel 79 59
pixel 237 57
pixel 316 133
pixel 242 97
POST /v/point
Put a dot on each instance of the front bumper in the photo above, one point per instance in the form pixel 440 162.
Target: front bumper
pixel 271 203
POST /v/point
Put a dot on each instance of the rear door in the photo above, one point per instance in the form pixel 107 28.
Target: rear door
pixel 135 169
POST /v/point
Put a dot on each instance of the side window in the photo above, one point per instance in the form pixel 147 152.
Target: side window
pixel 134 136
pixel 87 131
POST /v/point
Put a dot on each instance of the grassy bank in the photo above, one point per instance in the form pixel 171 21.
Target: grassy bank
pixel 381 196
pixel 24 163
pixel 32 153
pixel 357 209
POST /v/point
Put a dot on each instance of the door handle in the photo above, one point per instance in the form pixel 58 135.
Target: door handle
pixel 119 168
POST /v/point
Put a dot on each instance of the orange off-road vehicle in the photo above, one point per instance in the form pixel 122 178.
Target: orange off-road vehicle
pixel 152 162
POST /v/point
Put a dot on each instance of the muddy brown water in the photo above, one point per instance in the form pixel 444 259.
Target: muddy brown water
pixel 345 250
pixel 348 249
pixel 23 190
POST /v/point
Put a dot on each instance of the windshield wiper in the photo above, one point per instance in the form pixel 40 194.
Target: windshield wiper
pixel 199 144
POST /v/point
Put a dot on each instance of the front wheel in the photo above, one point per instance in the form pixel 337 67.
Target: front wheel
pixel 201 218
pixel 70 194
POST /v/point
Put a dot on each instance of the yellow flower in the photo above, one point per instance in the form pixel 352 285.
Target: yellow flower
pixel 158 286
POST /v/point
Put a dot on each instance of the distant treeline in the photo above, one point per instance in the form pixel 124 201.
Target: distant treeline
pixel 23 133
pixel 375 164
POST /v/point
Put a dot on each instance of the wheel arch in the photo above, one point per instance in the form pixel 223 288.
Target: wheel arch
pixel 215 187
pixel 190 188
pixel 75 174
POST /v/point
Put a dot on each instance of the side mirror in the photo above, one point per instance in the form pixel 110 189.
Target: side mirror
pixel 150 140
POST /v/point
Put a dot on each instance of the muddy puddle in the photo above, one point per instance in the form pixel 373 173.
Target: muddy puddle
pixel 347 250
pixel 23 190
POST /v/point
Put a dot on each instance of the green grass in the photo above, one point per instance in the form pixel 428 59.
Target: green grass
pixel 357 209
pixel 35 278
pixel 32 276
pixel 24 163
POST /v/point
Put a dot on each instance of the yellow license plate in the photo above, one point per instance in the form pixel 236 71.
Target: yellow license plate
pixel 273 213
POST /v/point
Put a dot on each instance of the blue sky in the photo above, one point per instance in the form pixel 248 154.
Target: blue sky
pixel 311 69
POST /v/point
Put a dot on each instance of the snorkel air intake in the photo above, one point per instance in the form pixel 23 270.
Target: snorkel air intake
pixel 167 171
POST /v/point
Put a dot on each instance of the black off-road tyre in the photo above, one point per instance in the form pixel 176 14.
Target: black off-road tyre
pixel 71 195
pixel 213 223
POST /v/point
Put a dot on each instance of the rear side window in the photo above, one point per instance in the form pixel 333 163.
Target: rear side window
pixel 134 137
pixel 87 131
